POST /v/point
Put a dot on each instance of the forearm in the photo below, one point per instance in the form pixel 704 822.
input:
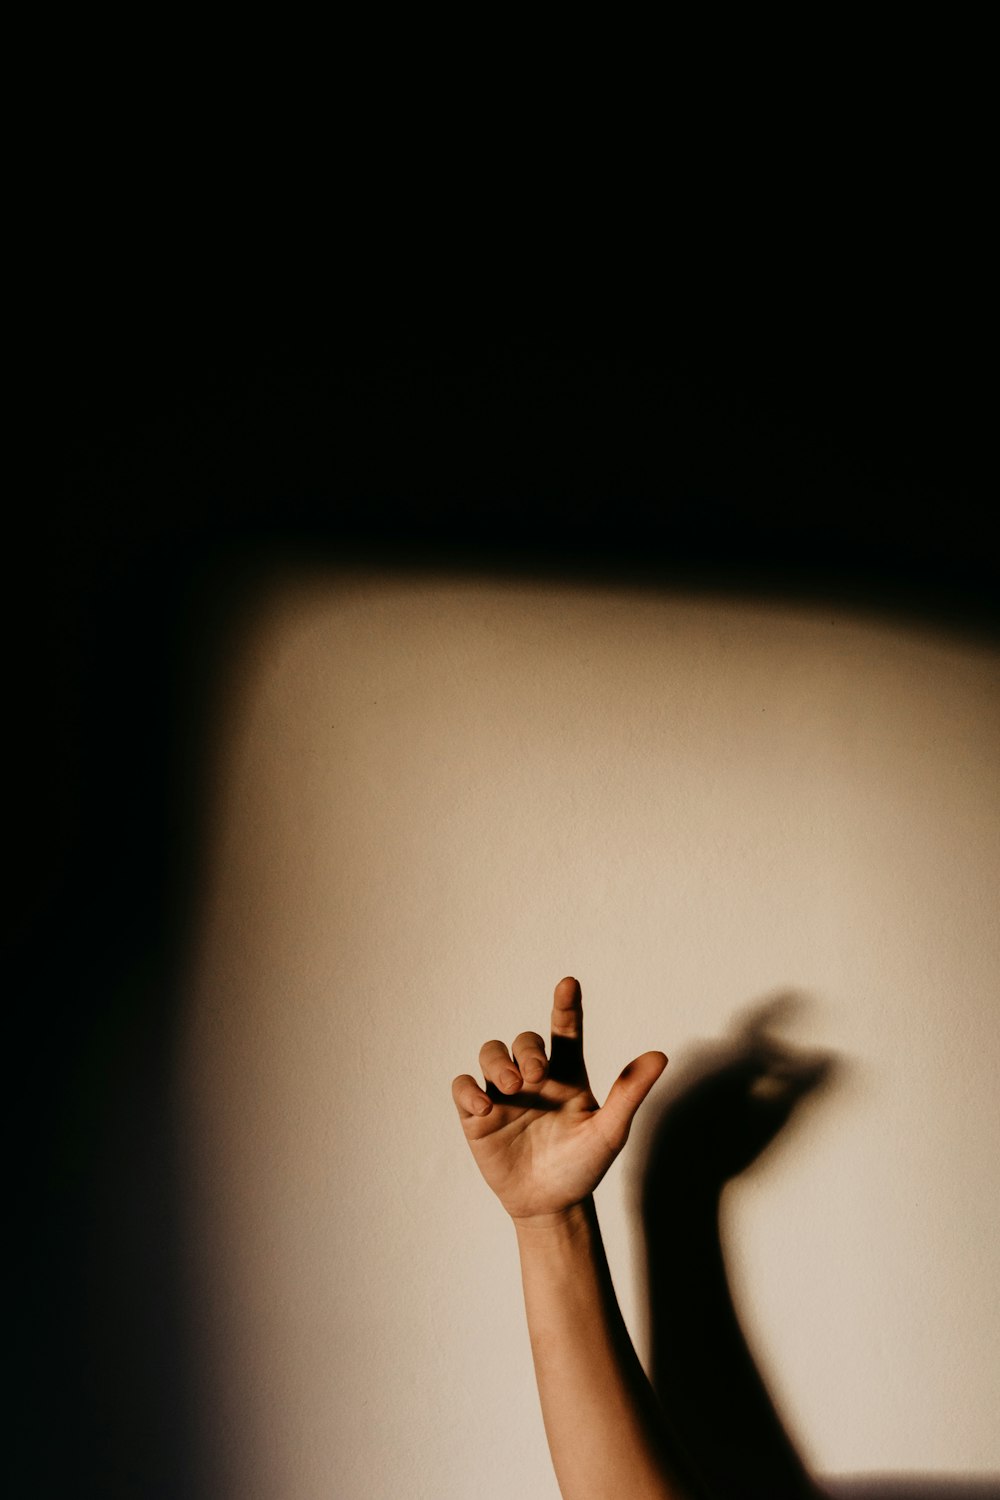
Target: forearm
pixel 597 1405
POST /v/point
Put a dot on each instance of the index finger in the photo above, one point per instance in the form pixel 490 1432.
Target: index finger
pixel 567 1027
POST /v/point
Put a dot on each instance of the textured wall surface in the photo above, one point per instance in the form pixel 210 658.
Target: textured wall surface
pixel 431 800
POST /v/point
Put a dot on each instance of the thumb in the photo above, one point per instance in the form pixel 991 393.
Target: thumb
pixel 627 1093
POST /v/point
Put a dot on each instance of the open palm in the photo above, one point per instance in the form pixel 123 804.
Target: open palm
pixel 536 1131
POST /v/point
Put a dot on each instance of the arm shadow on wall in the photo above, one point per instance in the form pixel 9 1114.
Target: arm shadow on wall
pixel 734 1102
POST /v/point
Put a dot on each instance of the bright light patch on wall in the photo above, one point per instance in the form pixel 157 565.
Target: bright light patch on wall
pixel 433 798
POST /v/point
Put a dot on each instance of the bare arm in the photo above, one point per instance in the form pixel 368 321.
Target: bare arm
pixel 543 1145
pixel 598 1408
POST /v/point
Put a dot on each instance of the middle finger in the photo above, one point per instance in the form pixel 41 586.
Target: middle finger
pixel 498 1069
pixel 529 1054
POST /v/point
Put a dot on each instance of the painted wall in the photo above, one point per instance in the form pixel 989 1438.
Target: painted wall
pixel 432 799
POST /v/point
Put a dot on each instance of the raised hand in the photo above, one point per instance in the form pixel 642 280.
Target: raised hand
pixel 536 1131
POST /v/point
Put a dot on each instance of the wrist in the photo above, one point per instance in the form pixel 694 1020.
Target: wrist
pixel 567 1221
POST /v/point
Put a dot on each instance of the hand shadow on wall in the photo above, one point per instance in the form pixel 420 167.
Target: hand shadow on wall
pixel 722 1427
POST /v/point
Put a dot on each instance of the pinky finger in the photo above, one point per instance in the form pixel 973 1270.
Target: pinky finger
pixel 469 1097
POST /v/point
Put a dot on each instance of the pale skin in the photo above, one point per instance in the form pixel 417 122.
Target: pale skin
pixel 543 1144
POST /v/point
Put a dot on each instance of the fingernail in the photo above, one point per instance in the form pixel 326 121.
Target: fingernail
pixel 483 1106
pixel 510 1079
pixel 532 1069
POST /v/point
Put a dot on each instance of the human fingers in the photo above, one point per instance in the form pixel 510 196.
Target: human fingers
pixel 469 1097
pixel 529 1055
pixel 567 1028
pixel 627 1093
pixel 498 1069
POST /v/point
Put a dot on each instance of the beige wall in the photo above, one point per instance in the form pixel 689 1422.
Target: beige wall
pixel 434 798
